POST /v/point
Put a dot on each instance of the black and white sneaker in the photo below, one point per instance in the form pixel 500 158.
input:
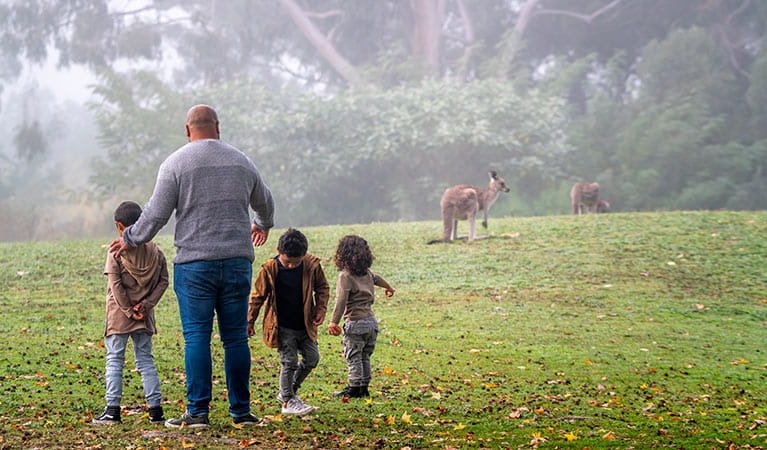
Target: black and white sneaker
pixel 247 419
pixel 110 416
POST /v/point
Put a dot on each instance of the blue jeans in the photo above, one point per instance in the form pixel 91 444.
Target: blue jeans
pixel 205 289
pixel 142 348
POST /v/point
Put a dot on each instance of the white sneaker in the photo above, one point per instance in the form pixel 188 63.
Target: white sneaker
pixel 294 405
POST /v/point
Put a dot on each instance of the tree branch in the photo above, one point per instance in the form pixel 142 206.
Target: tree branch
pixel 340 64
pixel 588 18
pixel 324 15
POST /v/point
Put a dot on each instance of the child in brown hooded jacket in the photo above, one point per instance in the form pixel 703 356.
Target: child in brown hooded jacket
pixel 136 281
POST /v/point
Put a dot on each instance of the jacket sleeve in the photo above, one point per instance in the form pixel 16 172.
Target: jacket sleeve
pixel 115 285
pixel 259 295
pixel 321 292
pixel 342 296
pixel 154 297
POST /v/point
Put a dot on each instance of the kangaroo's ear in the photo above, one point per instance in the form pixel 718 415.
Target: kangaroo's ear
pixel 493 174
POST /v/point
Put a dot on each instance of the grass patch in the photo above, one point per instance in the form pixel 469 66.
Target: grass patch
pixel 643 330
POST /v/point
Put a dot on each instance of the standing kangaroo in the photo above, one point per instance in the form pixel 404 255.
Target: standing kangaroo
pixel 464 201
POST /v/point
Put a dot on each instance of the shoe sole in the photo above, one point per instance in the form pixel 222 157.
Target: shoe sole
pixel 104 422
pixel 187 425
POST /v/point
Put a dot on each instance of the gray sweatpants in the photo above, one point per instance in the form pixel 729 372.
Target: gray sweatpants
pixel 359 344
pixel 293 371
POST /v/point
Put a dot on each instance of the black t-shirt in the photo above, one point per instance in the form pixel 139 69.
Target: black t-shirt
pixel 290 297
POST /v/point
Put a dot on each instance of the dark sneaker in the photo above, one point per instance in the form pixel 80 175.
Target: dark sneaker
pixel 247 419
pixel 353 392
pixel 110 416
pixel 156 415
pixel 188 420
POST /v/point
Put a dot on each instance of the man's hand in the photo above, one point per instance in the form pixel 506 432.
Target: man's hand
pixel 258 236
pixel 389 292
pixel 334 329
pixel 118 246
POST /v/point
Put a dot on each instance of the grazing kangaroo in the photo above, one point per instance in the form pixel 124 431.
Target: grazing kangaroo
pixel 584 197
pixel 603 206
pixel 463 202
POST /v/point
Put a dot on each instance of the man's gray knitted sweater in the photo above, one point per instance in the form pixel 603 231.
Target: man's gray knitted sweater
pixel 210 185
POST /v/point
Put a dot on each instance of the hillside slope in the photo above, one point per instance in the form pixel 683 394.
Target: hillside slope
pixel 641 329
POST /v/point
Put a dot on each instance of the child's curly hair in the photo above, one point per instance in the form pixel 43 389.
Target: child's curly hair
pixel 353 254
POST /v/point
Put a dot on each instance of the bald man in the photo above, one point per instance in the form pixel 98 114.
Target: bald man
pixel 210 185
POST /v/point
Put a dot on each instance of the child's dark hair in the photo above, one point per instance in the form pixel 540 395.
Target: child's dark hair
pixel 127 213
pixel 293 243
pixel 353 254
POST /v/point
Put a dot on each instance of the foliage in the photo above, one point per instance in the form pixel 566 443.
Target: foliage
pixel 637 330
pixel 358 156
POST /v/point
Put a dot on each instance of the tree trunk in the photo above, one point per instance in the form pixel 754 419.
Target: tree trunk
pixel 426 31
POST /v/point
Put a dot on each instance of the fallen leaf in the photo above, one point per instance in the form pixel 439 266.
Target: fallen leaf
pixel 571 437
pixel 459 426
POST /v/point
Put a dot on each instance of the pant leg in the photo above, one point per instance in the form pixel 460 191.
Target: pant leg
pixel 115 362
pixel 310 357
pixel 232 313
pixel 196 289
pixel 357 349
pixel 150 380
pixel 288 354
pixel 367 352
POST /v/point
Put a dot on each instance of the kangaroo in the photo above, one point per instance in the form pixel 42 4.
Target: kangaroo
pixel 463 201
pixel 584 197
pixel 603 205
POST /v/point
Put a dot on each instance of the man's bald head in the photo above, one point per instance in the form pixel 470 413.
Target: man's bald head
pixel 202 123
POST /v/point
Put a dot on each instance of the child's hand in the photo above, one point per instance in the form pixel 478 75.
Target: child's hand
pixel 251 329
pixel 334 329
pixel 318 320
pixel 138 311
pixel 389 292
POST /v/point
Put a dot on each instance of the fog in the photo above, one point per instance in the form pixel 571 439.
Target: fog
pixel 359 111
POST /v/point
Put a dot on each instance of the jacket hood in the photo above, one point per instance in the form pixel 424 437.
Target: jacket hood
pixel 142 262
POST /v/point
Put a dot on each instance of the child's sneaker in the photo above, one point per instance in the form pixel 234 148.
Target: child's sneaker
pixel 294 405
pixel 156 415
pixel 188 420
pixel 353 392
pixel 110 416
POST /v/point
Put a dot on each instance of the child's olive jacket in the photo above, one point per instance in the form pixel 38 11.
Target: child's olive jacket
pixel 315 295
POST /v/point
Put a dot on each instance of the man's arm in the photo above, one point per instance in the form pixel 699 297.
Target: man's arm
pixel 156 213
pixel 263 204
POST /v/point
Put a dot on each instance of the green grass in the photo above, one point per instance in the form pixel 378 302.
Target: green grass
pixel 616 330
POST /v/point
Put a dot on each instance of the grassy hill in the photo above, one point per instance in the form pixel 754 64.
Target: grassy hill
pixel 617 330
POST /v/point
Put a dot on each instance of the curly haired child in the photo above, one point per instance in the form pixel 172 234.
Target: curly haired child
pixel 355 293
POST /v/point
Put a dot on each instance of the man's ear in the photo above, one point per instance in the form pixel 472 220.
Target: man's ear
pixel 188 132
